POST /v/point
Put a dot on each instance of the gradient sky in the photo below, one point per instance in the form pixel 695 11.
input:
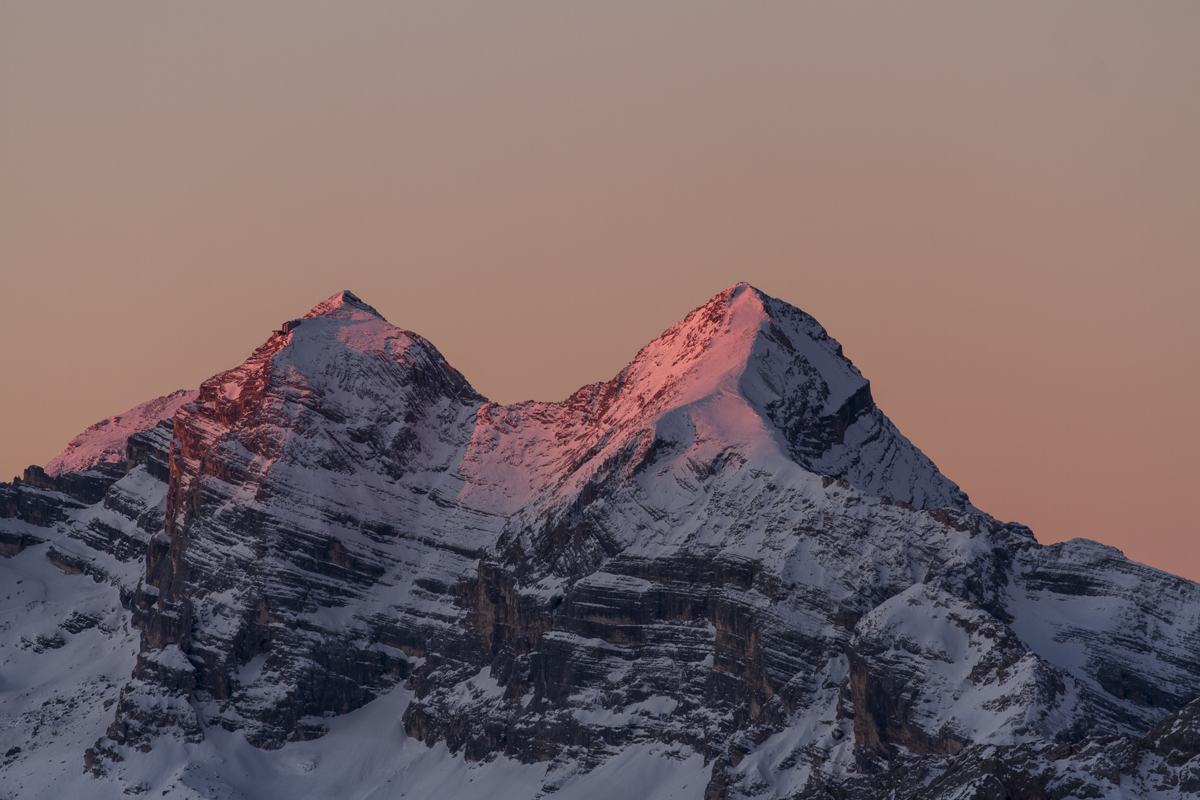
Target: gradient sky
pixel 994 207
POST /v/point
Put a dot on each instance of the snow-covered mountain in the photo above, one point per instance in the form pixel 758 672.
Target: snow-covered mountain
pixel 337 570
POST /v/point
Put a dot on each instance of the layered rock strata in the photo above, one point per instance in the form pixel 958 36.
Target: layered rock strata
pixel 727 550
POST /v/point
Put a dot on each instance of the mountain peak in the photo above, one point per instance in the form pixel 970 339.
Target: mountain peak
pixel 785 366
pixel 344 305
pixel 744 372
pixel 737 289
pixel 341 335
pixel 735 327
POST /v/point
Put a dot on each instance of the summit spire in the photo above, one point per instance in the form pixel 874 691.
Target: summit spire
pixel 343 305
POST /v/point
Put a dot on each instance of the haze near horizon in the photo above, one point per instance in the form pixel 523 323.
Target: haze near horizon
pixel 992 209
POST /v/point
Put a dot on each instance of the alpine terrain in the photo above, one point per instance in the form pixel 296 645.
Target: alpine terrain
pixel 338 571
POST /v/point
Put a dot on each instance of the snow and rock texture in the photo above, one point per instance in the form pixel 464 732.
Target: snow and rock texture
pixel 339 569
pixel 103 444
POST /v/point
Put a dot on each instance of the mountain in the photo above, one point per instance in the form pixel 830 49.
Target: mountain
pixel 338 570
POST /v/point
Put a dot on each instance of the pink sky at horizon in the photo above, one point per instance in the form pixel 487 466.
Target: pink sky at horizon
pixel 996 211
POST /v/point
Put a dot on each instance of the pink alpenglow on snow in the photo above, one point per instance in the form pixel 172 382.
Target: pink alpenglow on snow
pixel 104 442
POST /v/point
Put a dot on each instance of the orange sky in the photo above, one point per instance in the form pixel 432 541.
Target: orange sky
pixel 996 210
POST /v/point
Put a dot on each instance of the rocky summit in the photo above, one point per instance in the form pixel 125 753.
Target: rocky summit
pixel 339 571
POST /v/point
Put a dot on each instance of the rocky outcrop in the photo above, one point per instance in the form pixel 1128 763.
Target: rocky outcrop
pixel 36 506
pixel 1164 762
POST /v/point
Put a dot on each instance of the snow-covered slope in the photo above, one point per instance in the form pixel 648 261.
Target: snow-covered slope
pixel 743 371
pixel 104 442
pixel 337 568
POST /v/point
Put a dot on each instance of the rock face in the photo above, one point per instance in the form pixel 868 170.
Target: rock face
pixel 726 557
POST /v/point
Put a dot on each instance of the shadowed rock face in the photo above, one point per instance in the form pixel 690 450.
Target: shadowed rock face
pixel 727 548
